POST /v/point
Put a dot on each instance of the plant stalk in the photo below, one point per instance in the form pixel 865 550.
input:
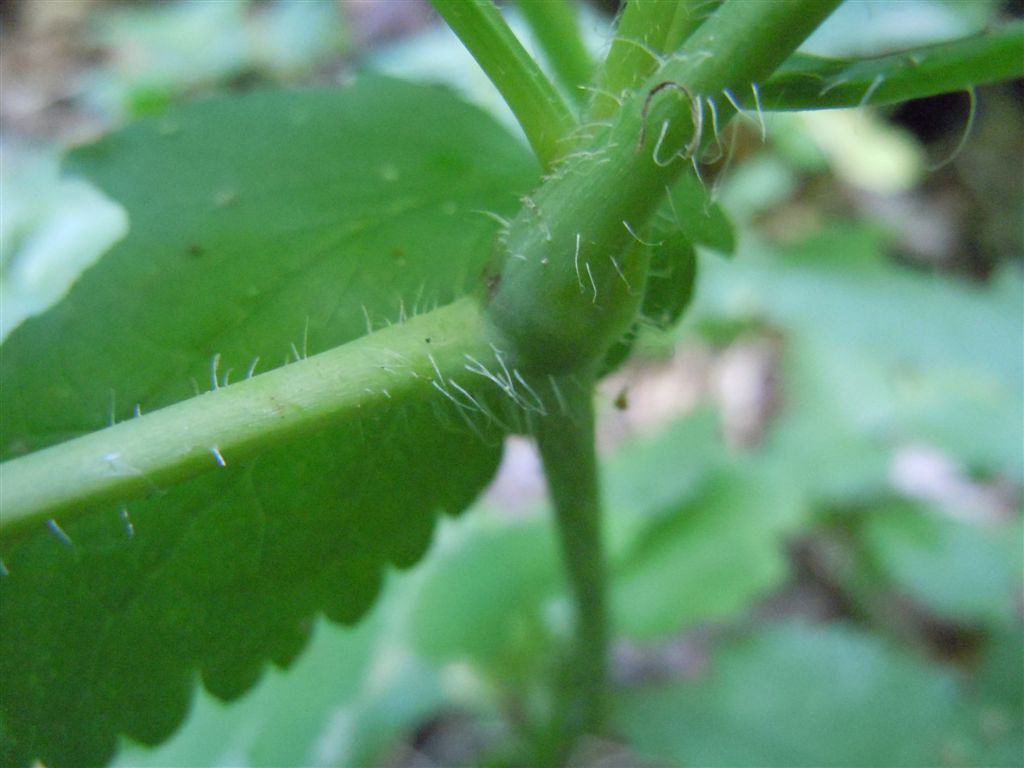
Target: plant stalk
pixel 647 30
pixel 541 111
pixel 573 276
pixel 557 30
pixel 810 82
pixel 565 439
pixel 575 270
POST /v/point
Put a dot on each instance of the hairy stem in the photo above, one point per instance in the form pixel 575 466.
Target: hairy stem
pixel 234 422
pixel 557 30
pixel 646 30
pixel 572 281
pixel 541 111
pixel 809 82
pixel 566 442
pixel 573 277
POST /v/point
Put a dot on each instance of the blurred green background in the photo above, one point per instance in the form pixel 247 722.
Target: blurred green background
pixel 813 485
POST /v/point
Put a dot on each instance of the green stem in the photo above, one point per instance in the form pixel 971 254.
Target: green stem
pixel 573 277
pixel 565 438
pixel 567 289
pixel 809 82
pixel 541 111
pixel 647 30
pixel 557 30
pixel 234 422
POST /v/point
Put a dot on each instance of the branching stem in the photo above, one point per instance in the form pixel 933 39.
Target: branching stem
pixel 541 111
pixel 809 82
pixel 557 30
pixel 647 30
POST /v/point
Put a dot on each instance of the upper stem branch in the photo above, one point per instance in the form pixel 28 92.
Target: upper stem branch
pixel 809 82
pixel 557 30
pixel 574 277
pixel 541 111
pixel 646 30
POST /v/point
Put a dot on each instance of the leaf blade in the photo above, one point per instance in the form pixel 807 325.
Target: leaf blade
pixel 268 225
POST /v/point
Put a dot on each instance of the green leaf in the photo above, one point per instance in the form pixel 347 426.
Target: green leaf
pixel 51 229
pixel 834 436
pixel 884 26
pixel 670 280
pixel 649 480
pixel 964 573
pixel 268 225
pixel 298 704
pixel 990 730
pixel 691 537
pixel 879 356
pixel 700 219
pixel 158 53
pixel 478 601
pixel 688 218
pixel 811 82
pixel 708 559
pixel 795 695
pixel 758 185
pixel 353 693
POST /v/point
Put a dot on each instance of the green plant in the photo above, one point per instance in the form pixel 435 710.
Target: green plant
pixel 206 534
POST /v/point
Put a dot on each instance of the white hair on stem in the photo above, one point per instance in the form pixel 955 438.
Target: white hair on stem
pixel 968 128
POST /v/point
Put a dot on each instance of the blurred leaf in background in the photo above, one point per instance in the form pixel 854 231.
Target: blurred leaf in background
pixel 961 572
pixel 878 355
pixel 351 696
pixel 874 27
pixel 51 229
pixel 160 52
pixel 793 694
